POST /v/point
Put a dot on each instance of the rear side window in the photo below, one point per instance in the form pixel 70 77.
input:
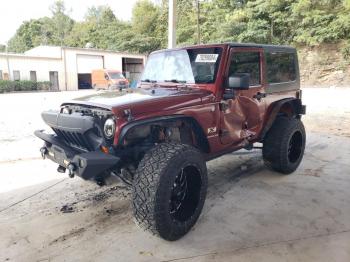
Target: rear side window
pixel 246 62
pixel 280 67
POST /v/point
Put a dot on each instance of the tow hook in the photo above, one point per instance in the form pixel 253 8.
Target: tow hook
pixel 43 152
pixel 71 169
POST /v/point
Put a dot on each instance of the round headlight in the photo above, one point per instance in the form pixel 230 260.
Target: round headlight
pixel 109 128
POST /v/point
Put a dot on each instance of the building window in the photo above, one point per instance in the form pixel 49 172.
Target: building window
pixel 280 67
pixel 16 75
pixel 247 63
pixel 0 74
pixel 54 80
pixel 33 76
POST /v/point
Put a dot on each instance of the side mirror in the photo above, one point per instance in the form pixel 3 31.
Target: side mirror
pixel 106 77
pixel 239 81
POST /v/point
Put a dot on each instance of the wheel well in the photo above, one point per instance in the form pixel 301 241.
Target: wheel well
pixel 290 107
pixel 184 130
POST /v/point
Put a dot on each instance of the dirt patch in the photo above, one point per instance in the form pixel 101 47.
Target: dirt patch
pixel 71 234
pixel 313 172
pixel 324 66
pixel 68 208
pixel 93 198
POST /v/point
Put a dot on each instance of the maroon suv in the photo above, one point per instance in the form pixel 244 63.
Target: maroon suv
pixel 192 104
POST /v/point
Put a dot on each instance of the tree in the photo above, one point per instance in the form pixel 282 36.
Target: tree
pixel 2 48
pixel 61 22
pixel 302 22
pixel 28 35
pixel 100 14
pixel 100 28
pixel 144 17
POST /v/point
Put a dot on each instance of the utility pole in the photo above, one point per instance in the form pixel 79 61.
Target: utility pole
pixel 198 27
pixel 172 24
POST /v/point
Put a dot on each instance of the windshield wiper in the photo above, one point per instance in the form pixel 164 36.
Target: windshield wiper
pixel 149 81
pixel 176 81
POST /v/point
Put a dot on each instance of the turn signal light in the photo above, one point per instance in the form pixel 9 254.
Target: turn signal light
pixel 105 149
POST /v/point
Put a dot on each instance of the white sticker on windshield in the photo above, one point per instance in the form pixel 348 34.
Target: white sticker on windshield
pixel 206 58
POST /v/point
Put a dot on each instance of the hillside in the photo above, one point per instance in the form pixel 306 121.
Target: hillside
pixel 324 66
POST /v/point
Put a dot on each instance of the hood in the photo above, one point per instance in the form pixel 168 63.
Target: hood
pixel 148 99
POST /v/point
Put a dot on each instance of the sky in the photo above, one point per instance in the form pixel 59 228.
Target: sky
pixel 14 12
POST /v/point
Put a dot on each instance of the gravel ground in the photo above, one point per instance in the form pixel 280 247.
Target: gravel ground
pixel 251 213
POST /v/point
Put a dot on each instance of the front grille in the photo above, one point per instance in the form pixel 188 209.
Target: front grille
pixel 74 139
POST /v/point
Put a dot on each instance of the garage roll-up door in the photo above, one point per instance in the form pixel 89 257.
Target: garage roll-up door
pixel 87 63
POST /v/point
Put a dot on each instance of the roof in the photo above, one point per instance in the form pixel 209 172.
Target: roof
pixel 101 50
pixel 27 56
pixel 55 52
pixel 234 44
pixel 264 46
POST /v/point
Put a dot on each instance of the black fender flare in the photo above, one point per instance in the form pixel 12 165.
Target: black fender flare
pixel 198 131
pixel 298 110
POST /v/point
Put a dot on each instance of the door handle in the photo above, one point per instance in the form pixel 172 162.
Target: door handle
pixel 259 96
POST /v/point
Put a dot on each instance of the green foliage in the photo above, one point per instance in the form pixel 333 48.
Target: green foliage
pixel 2 48
pixel 44 85
pixel 10 86
pixel 47 31
pixel 61 23
pixel 28 35
pixel 302 22
pixel 346 51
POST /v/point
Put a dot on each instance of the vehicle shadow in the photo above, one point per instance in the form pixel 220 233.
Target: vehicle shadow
pixel 229 169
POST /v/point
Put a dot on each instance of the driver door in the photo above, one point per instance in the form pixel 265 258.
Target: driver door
pixel 242 114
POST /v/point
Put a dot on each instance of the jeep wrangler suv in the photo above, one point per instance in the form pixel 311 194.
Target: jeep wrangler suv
pixel 192 104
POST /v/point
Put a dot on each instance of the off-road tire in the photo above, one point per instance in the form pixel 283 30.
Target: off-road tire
pixel 154 184
pixel 284 145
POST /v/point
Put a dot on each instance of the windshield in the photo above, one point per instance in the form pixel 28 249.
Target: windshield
pixel 183 66
pixel 115 75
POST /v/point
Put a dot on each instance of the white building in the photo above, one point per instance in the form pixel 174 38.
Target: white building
pixel 67 68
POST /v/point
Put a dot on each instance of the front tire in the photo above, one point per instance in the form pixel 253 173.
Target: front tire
pixel 284 145
pixel 169 190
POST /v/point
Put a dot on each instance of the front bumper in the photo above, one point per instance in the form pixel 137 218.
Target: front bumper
pixel 89 165
pixel 119 86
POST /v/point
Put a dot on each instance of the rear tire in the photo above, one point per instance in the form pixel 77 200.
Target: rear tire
pixel 284 145
pixel 169 190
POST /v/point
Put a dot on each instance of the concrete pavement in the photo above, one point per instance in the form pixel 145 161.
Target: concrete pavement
pixel 251 213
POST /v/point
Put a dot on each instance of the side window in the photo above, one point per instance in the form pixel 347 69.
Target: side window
pixel 0 74
pixel 16 75
pixel 246 62
pixel 280 67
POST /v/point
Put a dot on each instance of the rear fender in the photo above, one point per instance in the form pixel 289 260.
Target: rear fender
pixel 290 107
